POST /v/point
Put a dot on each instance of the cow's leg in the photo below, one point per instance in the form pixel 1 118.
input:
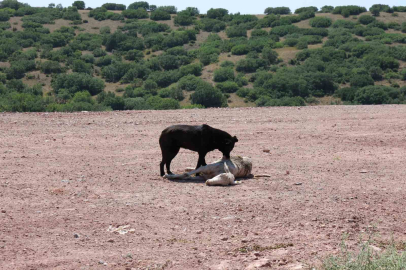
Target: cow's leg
pixel 201 161
pixel 162 164
pixel 170 154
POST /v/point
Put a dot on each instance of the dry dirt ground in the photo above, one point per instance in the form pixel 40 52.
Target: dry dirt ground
pixel 66 178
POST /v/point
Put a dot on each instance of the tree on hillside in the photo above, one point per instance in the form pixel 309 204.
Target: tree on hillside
pixel 217 13
pixel 277 10
pixel 140 4
pixel 79 5
pixel 208 96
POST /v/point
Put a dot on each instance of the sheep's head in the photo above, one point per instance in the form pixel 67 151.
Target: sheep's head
pixel 223 179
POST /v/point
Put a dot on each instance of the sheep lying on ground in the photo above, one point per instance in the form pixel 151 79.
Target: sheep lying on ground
pixel 222 172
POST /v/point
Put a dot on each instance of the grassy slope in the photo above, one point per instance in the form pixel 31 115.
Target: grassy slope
pixel 286 53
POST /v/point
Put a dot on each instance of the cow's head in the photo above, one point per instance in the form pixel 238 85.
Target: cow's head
pixel 227 146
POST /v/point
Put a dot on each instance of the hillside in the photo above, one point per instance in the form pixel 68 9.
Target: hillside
pixel 148 57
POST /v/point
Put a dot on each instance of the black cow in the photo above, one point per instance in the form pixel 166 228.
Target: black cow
pixel 201 139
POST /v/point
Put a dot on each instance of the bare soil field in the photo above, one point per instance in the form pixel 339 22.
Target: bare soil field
pixel 70 183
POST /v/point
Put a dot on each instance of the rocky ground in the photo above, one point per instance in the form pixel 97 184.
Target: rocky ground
pixel 83 191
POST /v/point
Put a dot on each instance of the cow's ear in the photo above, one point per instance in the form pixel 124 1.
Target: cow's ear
pixel 235 139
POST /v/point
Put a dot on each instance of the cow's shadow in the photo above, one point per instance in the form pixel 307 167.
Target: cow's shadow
pixel 200 180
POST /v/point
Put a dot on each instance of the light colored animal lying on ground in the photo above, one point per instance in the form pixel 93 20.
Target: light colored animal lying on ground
pixel 220 173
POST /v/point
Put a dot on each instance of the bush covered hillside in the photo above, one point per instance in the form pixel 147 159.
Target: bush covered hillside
pixel 145 56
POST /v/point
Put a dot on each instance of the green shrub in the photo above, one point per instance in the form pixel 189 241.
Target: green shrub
pixel 212 25
pixel 191 69
pixel 366 19
pixel 76 82
pixel 164 78
pixel 346 93
pixel 21 102
pixel 346 11
pixel 326 9
pixel 49 67
pixel 250 65
pixel 236 31
pixel 135 13
pixel 184 20
pixel 306 9
pixel 4 16
pixel 207 96
pixel 301 45
pixel 160 15
pixel 241 80
pixel 192 106
pixel 223 74
pixel 240 49
pixel 227 64
pixel 158 103
pixel 361 80
pixel 109 99
pixel 112 6
pixel 217 13
pixel 259 33
pixel 168 9
pixel 277 10
pixel 394 25
pixel 344 24
pixel 173 92
pixel 3 77
pixel 79 5
pixel 265 101
pixel 137 103
pixel 243 92
pixel 284 30
pixel 134 55
pixel 105 30
pixel 373 95
pixel 269 55
pixel 189 82
pixel 99 52
pixel 320 22
pixel 290 42
pixel 376 73
pixel 140 4
pixel 227 87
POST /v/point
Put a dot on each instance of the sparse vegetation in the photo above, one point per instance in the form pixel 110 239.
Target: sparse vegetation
pixel 286 64
pixel 366 258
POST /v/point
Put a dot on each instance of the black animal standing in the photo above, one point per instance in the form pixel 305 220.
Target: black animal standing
pixel 201 139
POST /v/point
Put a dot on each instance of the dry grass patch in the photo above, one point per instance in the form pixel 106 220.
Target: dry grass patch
pixel 387 17
pixel 186 101
pixel 389 83
pixel 235 101
pixel 287 53
pixel 328 100
pixel 201 37
pixel 112 87
pixel 232 58
pixel 93 26
pixel 207 72
pixel 250 31
pixel 223 35
pixel 39 78
pixel 58 24
pixel 19 24
pixel 4 64
pixel 303 24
